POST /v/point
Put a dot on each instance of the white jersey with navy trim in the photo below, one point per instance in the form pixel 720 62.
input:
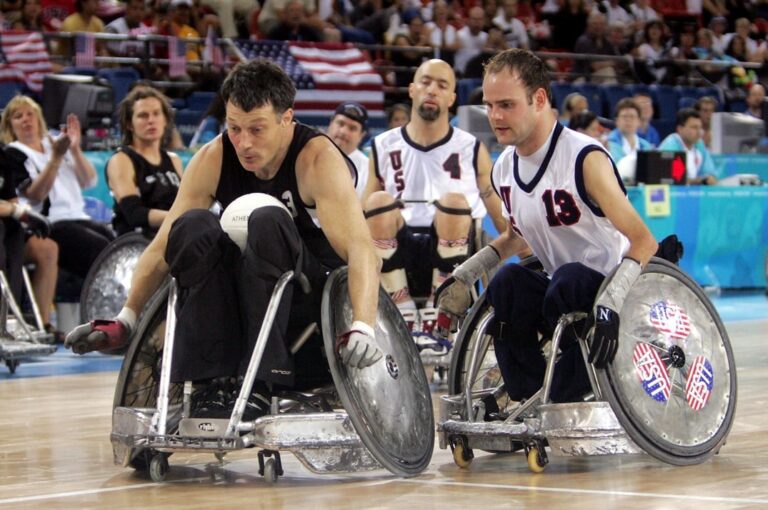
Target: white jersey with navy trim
pixel 416 174
pixel 553 212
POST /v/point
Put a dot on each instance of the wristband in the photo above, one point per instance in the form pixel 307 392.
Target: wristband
pixel 363 328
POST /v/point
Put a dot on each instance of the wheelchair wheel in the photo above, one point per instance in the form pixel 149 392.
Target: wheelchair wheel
pixel 106 286
pixel 672 384
pixel 487 373
pixel 137 384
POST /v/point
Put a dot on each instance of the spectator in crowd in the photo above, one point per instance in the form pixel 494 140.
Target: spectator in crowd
pixel 755 52
pixel 293 25
pixel 756 101
pixel 132 24
pixel 142 175
pixel 441 33
pixel 646 130
pixel 587 122
pixel 513 29
pixel 58 170
pixel 415 34
pixel 496 42
pixel 683 52
pixel 569 24
pixel 271 15
pixel 739 77
pixel 706 106
pixel 699 166
pixel 595 42
pixel 84 19
pixel 573 104
pixel 719 26
pixel 182 26
pixel 347 129
pixel 472 39
pixel 31 16
pixel 398 115
pixel 229 12
pixel 490 10
pixel 642 13
pixel 614 12
pixel 705 50
pixel 617 35
pixel 653 49
pixel 624 140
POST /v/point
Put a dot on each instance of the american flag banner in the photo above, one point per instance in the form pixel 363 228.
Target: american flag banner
pixel 24 58
pixel 177 57
pixel 336 73
pixel 85 49
pixel 212 53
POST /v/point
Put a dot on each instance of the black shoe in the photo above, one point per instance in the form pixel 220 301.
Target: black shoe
pixel 217 400
pixel 214 400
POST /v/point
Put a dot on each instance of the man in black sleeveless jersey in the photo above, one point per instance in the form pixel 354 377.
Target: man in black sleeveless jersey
pixel 225 293
pixel 142 175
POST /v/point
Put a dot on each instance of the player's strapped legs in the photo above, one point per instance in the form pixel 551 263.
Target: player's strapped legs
pixel 382 212
pixel 453 226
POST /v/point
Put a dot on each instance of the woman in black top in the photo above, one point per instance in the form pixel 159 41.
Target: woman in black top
pixel 142 176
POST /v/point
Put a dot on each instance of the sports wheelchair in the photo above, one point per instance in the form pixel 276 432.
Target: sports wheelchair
pixel 380 416
pixel 19 339
pixel 670 391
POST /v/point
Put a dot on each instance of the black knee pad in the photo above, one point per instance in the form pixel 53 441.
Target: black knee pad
pixel 397 260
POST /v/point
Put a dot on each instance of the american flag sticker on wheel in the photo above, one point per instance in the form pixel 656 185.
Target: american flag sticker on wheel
pixel 701 380
pixel 652 372
pixel 670 319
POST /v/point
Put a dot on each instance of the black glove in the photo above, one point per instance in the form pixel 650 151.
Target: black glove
pixel 605 341
pixel 36 222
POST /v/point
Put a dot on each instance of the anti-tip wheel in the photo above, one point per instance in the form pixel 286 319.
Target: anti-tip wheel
pixel 535 461
pixel 270 471
pixel 462 456
pixel 158 468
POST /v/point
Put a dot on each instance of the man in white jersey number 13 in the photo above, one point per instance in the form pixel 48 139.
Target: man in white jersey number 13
pixel 428 184
pixel 563 197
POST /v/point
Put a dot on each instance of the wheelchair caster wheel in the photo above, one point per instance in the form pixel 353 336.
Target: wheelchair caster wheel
pixel 270 471
pixel 158 468
pixel 537 460
pixel 462 453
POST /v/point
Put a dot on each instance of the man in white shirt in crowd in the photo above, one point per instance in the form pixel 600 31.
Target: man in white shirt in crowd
pixel 698 162
pixel 348 126
pixel 514 29
pixel 472 38
pixel 130 24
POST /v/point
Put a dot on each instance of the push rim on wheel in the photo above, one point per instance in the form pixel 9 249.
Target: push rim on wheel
pixel 389 402
pixel 487 373
pixel 672 384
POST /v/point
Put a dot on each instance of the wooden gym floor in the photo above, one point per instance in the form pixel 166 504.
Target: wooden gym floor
pixel 55 453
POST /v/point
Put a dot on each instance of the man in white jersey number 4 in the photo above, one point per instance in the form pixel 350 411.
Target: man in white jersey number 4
pixel 428 184
pixel 563 197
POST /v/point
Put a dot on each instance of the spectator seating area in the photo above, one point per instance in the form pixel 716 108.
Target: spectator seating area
pixel 667 99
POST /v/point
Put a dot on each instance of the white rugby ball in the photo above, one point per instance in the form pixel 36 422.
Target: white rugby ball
pixel 234 219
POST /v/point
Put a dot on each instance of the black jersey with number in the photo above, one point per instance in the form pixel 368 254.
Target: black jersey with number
pixel 158 186
pixel 235 181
